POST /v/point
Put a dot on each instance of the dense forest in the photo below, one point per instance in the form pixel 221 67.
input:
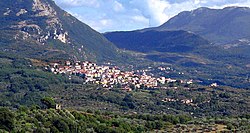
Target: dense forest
pixel 35 119
pixel 29 95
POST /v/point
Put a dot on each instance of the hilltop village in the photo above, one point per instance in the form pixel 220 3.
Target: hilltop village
pixel 110 76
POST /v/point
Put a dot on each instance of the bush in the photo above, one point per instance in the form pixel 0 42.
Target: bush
pixel 49 102
pixel 61 125
pixel 6 119
pixel 230 126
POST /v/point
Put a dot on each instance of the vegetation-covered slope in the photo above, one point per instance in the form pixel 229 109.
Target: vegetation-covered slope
pixel 216 25
pixel 226 64
pixel 72 121
pixel 40 29
pixel 162 41
pixel 23 83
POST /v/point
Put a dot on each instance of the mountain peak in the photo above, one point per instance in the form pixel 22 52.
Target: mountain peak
pixel 41 23
pixel 202 9
pixel 217 25
pixel 235 7
pixel 225 8
pixel 27 12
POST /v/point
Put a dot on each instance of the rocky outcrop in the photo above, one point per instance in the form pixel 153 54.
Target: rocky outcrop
pixel 31 29
pixel 40 28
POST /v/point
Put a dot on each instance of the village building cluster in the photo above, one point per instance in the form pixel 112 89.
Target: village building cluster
pixel 108 76
pixel 184 101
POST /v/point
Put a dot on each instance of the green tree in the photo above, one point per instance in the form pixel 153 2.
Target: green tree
pixel 61 125
pixel 49 102
pixel 6 119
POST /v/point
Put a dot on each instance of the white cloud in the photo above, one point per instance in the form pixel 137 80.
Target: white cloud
pixel 106 22
pixel 118 7
pixel 97 25
pixel 242 4
pixel 110 15
pixel 78 3
pixel 140 19
pixel 157 11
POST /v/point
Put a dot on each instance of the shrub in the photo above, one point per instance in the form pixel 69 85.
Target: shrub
pixel 6 119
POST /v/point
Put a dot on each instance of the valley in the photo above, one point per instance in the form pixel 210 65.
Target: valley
pixel 57 74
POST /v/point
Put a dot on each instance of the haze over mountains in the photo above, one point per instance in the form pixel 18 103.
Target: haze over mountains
pixel 216 25
pixel 57 74
pixel 228 27
pixel 162 41
pixel 216 38
pixel 40 29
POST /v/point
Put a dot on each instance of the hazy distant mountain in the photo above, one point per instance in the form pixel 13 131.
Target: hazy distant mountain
pixel 188 42
pixel 40 29
pixel 161 41
pixel 216 25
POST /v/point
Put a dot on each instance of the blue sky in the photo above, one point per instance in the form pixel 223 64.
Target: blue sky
pixel 124 15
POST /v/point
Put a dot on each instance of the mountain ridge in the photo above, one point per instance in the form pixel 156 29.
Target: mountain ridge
pixel 220 56
pixel 216 25
pixel 42 26
pixel 162 41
